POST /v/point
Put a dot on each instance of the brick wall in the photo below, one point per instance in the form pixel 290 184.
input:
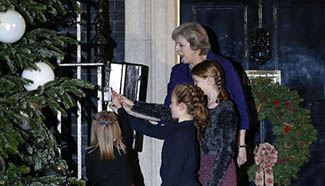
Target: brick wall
pixel 117 22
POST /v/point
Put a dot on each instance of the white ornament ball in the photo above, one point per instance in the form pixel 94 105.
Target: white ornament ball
pixel 39 77
pixel 12 26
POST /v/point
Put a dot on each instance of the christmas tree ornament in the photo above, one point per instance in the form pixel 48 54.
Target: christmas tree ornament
pixel 12 26
pixel 42 75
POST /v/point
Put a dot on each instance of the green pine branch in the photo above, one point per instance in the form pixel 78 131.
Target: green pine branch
pixel 37 12
pixel 38 45
pixel 27 146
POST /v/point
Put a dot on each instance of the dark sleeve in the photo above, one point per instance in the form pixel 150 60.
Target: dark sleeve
pixel 127 132
pixel 227 123
pixel 172 83
pixel 89 168
pixel 146 128
pixel 179 152
pixel 234 86
pixel 154 110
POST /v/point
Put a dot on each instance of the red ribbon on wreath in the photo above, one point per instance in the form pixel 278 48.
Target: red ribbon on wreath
pixel 265 157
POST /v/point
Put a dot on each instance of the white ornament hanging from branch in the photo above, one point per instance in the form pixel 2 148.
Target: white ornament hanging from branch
pixel 42 75
pixel 12 26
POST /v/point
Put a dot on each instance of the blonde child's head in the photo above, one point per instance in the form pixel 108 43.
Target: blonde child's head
pixel 105 134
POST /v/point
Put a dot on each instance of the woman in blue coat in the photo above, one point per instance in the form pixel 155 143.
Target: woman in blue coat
pixel 193 47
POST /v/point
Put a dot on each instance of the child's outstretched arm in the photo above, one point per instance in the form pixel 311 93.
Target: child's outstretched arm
pixel 128 106
pixel 123 121
pixel 155 131
pixel 148 111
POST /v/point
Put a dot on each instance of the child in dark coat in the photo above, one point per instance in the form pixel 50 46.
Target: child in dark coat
pixel 180 153
pixel 106 159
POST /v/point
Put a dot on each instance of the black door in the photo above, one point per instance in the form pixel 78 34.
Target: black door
pixel 297 29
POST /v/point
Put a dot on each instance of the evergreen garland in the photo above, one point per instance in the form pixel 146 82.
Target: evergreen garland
pixel 292 128
pixel 28 150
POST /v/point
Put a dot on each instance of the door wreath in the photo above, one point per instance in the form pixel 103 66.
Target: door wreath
pixel 292 128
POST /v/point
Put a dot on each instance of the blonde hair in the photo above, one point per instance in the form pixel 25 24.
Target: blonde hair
pixel 195 102
pixel 195 34
pixel 210 68
pixel 106 133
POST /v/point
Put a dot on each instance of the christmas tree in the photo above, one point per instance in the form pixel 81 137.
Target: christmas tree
pixel 29 50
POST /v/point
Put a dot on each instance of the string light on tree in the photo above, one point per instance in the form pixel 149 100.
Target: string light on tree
pixel 12 26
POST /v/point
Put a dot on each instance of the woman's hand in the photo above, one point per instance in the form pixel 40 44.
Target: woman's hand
pixel 116 102
pixel 242 154
pixel 116 99
pixel 241 158
pixel 127 103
